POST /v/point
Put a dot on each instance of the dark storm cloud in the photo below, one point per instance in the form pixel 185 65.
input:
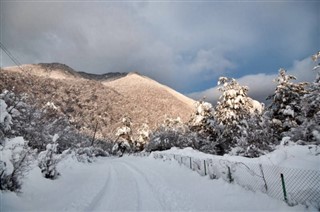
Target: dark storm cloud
pixel 185 45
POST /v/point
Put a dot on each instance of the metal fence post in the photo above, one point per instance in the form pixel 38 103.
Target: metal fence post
pixel 284 188
pixel 264 179
pixel 205 167
pixel 229 175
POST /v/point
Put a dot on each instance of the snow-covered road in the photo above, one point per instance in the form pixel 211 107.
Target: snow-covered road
pixel 133 184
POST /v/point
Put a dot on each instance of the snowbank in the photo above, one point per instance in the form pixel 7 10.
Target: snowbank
pixel 292 156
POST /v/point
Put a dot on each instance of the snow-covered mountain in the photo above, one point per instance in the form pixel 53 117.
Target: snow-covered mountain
pixel 88 99
pixel 62 71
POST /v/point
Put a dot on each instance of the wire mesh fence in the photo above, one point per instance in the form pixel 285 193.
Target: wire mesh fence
pixel 294 186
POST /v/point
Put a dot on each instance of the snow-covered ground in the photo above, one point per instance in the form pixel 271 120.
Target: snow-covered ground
pixel 133 184
pixel 299 166
pixel 290 156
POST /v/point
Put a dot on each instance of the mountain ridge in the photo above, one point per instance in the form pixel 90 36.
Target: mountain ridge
pixel 88 98
pixel 63 71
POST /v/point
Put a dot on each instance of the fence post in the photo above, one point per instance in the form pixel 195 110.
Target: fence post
pixel 284 188
pixel 190 163
pixel 205 167
pixel 264 179
pixel 229 175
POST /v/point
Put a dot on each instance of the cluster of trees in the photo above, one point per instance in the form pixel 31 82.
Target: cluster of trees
pixel 239 125
pixel 32 135
pixel 126 141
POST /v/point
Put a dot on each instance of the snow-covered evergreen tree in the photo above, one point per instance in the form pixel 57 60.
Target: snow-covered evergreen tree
pixel 202 120
pixel 238 118
pixel 234 104
pixel 316 59
pixel 309 130
pixel 203 128
pixel 124 142
pixel 285 110
pixel 142 137
pixel 256 137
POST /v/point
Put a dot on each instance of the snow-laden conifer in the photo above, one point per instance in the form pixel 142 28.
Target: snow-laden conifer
pixel 238 119
pixel 309 130
pixel 124 141
pixel 285 111
pixel 143 136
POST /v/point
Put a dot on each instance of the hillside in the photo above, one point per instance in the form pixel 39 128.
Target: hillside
pixel 150 101
pixel 87 99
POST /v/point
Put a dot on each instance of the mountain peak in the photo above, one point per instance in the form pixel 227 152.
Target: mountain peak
pixel 55 65
pixel 102 99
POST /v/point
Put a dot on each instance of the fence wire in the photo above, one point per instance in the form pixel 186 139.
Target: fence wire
pixel 299 186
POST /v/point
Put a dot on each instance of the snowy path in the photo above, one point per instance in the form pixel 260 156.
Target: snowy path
pixel 133 184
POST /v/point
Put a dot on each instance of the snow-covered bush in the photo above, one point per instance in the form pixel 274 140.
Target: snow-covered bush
pixel 161 142
pixel 15 162
pixel 171 133
pixel 88 154
pixel 5 118
pixel 49 159
pixel 119 148
pixel 15 154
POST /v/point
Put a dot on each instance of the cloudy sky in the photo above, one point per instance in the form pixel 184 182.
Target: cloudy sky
pixel 186 45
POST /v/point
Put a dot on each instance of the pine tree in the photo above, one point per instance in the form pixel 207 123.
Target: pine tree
pixel 124 142
pixel 285 110
pixel 203 128
pixel 143 137
pixel 202 120
pixel 309 130
pixel 238 118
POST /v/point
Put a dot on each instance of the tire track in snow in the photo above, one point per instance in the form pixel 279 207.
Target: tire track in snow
pixel 163 202
pixel 138 191
pixel 164 192
pixel 139 175
pixel 102 193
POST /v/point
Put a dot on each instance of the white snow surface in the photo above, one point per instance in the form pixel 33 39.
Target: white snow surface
pixel 290 156
pixel 133 184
